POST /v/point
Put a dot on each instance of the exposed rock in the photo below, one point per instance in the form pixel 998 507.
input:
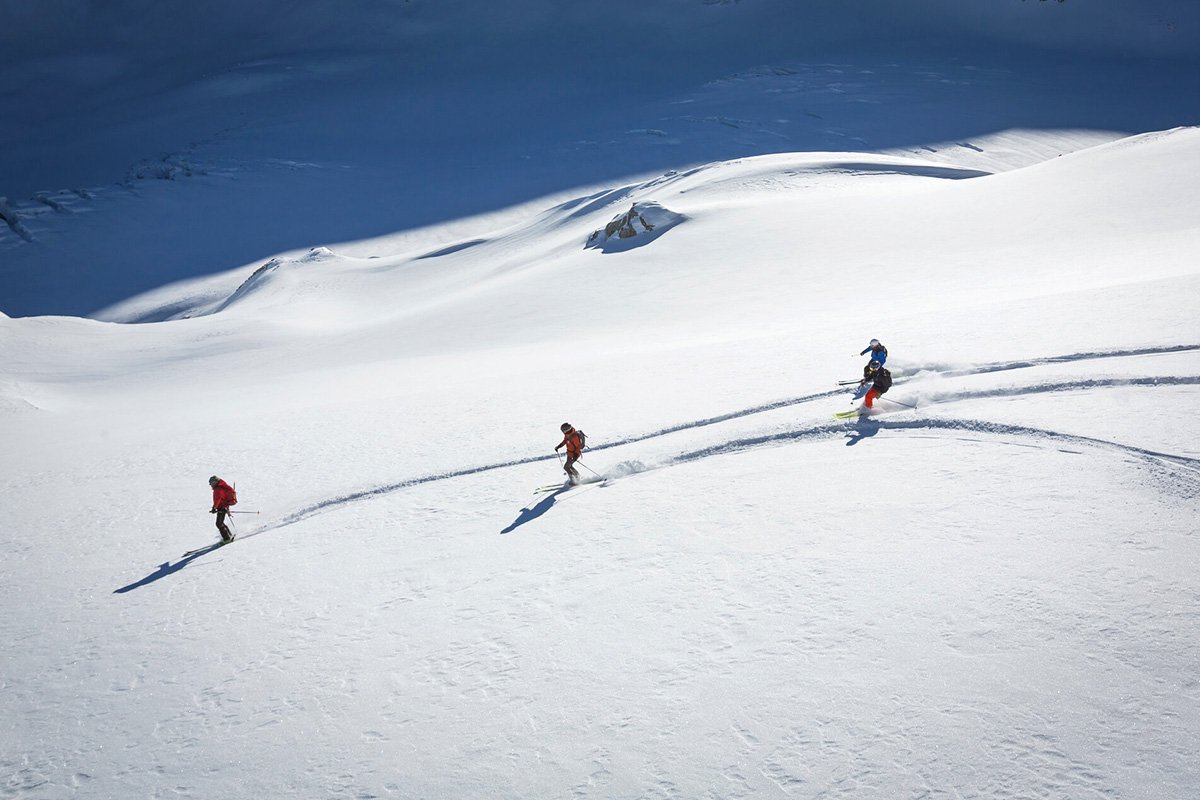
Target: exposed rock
pixel 640 225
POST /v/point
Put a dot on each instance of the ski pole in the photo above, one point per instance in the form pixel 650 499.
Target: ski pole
pixel 847 383
pixel 589 469
pixel 897 402
pixel 243 512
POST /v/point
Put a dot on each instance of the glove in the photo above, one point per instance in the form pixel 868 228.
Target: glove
pixel 212 511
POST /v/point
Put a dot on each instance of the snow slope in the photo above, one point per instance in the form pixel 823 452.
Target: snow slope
pixel 993 595
pixel 144 144
pixel 361 247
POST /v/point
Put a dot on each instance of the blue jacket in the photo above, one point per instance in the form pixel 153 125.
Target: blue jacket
pixel 879 355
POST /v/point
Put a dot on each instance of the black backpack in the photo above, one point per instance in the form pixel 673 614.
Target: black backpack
pixel 582 439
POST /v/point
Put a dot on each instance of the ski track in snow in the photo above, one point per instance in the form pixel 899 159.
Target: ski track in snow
pixel 1190 466
pixel 982 369
pixel 825 430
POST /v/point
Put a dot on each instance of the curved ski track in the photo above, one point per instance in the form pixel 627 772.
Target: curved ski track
pixel 1187 465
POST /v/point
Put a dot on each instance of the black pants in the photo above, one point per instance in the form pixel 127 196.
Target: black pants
pixel 569 468
pixel 221 526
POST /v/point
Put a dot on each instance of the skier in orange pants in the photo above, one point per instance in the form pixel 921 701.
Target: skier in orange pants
pixel 881 381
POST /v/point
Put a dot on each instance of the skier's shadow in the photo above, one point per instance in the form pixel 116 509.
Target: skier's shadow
pixel 166 568
pixel 865 429
pixel 530 513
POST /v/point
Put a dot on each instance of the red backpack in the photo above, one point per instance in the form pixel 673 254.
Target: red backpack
pixel 228 494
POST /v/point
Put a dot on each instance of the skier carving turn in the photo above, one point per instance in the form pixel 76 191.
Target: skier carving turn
pixel 574 441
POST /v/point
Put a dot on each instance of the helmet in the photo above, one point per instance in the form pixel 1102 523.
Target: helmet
pixel 874 343
pixel 566 426
pixel 874 365
pixel 214 480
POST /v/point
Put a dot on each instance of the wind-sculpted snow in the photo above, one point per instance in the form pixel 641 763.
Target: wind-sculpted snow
pixel 12 397
pixel 915 170
pixel 15 219
pixel 452 249
pixel 262 277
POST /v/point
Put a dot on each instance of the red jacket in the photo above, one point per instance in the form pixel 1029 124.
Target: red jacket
pixel 223 495
pixel 574 445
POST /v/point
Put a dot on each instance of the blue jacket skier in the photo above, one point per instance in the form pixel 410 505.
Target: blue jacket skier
pixel 878 352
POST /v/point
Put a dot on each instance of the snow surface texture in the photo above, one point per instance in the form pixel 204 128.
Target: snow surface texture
pixel 991 595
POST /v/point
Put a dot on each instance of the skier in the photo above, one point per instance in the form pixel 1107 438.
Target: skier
pixel 223 497
pixel 573 441
pixel 878 353
pixel 881 381
pixel 868 372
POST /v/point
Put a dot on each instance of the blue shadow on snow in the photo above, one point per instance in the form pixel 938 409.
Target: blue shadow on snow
pixel 530 513
pixel 865 429
pixel 167 568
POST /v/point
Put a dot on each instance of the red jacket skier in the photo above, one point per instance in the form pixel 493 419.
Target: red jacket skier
pixel 223 497
pixel 573 441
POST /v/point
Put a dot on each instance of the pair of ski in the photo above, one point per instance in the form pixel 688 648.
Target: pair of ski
pixel 854 412
pixel 858 412
pixel 555 487
pixel 863 412
pixel 208 548
pixel 562 487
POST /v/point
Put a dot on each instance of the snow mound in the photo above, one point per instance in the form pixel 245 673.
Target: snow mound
pixel 639 226
pixel 276 271
pixel 12 399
